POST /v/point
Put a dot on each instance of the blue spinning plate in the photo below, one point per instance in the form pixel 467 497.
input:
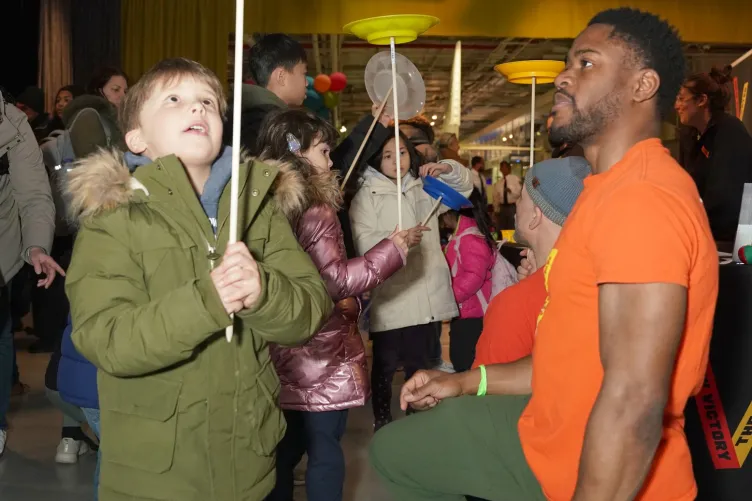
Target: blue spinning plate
pixel 452 198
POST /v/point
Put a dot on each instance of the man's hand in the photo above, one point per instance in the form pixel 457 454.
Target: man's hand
pixel 427 388
pixel 384 119
pixel 528 265
pixel 44 264
pixel 435 169
pixel 237 279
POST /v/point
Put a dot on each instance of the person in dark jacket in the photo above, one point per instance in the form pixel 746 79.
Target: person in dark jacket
pixel 63 97
pixel 31 102
pixel 278 68
pixel 91 121
pixel 717 152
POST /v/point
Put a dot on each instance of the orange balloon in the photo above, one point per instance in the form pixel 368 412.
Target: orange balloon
pixel 322 83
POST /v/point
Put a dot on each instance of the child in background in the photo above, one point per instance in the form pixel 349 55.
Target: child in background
pixel 77 385
pixel 328 374
pixel 406 308
pixel 471 254
pixel 153 282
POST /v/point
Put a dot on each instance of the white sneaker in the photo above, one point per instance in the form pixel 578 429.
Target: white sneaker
pixel 3 438
pixel 69 449
pixel 445 367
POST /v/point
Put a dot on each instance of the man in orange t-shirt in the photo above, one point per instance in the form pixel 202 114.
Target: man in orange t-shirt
pixel 622 342
pixel 509 322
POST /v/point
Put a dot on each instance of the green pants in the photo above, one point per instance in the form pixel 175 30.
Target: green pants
pixel 465 446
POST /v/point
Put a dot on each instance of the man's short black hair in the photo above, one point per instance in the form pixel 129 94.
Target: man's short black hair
pixel 271 52
pixel 476 160
pixel 655 44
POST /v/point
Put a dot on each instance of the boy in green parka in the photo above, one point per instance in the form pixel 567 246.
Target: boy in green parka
pixel 185 415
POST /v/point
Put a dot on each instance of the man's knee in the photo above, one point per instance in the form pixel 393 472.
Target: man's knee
pixel 385 447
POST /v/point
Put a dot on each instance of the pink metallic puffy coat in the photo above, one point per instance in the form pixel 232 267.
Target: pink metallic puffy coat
pixel 475 260
pixel 329 372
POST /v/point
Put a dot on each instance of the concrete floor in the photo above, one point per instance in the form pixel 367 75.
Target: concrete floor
pixel 28 471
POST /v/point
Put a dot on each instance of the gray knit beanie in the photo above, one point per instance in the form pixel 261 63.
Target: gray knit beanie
pixel 555 184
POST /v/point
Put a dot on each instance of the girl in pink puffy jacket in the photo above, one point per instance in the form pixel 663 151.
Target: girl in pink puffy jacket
pixel 471 254
pixel 327 375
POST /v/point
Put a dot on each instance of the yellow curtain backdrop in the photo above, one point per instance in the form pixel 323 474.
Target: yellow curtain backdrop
pixel 55 65
pixel 156 29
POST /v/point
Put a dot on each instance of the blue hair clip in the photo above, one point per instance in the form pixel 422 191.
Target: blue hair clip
pixel 292 143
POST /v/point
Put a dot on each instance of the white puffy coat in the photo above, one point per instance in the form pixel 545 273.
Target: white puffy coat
pixel 421 292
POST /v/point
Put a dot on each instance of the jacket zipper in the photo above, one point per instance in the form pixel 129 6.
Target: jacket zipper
pixel 213 254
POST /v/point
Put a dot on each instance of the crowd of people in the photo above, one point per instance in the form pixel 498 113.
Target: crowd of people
pixel 568 377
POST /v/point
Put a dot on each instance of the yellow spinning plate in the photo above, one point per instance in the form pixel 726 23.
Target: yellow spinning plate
pixel 523 72
pixel 531 73
pixel 404 28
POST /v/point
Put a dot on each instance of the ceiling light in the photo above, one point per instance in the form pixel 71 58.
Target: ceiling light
pixel 434 117
pixel 537 133
pixel 504 138
pixel 510 136
pixel 343 129
pixel 433 123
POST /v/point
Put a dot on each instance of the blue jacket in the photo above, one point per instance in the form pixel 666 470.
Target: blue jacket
pixel 76 376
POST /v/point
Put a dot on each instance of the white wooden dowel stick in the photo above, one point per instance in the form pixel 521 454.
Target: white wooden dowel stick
pixel 741 59
pixel 365 140
pixel 532 126
pixel 433 210
pixel 396 133
pixel 236 106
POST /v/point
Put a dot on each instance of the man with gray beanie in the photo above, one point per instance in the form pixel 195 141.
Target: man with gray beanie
pixel 551 189
pixel 550 192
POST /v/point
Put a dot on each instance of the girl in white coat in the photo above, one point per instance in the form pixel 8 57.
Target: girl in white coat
pixel 405 309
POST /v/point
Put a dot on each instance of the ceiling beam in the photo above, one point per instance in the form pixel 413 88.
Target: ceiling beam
pixel 543 104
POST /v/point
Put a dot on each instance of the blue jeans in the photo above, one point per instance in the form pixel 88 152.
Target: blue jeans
pixel 318 434
pixel 92 417
pixel 6 354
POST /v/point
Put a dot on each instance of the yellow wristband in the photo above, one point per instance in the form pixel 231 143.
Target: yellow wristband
pixel 483 386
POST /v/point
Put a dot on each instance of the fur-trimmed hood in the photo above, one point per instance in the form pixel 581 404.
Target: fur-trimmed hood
pixel 315 189
pixel 104 181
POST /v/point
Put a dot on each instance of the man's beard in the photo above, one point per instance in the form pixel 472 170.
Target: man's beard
pixel 519 238
pixel 586 124
pixel 554 144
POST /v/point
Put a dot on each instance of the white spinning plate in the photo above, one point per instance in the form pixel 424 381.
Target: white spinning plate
pixel 411 91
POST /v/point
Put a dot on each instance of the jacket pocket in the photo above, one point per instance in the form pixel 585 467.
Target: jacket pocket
pixel 256 246
pixel 140 419
pixel 266 418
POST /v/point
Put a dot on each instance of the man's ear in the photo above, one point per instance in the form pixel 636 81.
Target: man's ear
pixel 537 218
pixel 648 83
pixel 279 77
pixel 135 141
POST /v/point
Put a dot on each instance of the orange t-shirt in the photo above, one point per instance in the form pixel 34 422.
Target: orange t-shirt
pixel 509 323
pixel 640 222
